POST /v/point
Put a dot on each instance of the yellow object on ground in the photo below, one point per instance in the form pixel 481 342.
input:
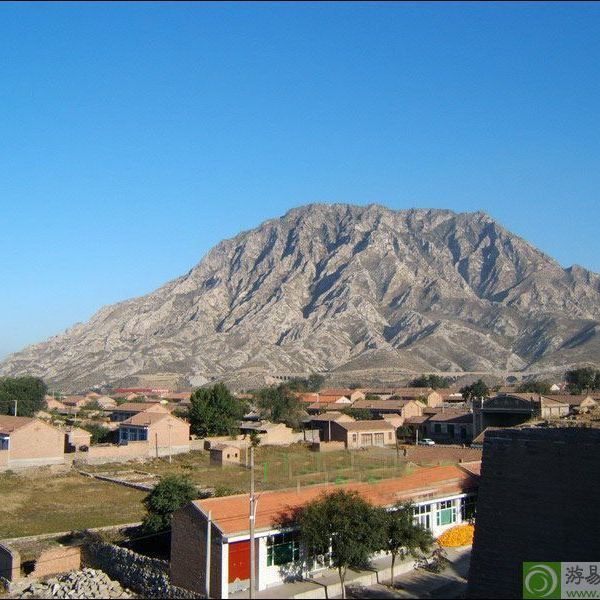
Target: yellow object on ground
pixel 461 535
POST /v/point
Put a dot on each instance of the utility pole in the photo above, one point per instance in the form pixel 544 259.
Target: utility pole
pixel 252 519
pixel 208 552
pixel 16 402
pixel 170 458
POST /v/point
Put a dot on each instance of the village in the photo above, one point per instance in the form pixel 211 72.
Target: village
pixel 416 444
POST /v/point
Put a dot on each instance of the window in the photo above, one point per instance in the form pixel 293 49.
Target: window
pixel 354 438
pixel 4 442
pixel 283 548
pixel 446 513
pixel 422 515
pixel 133 434
pixel 463 433
pixel 437 428
pixel 389 435
pixel 467 507
pixel 450 430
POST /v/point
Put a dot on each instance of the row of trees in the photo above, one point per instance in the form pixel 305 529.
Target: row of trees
pixel 351 529
pixel 26 393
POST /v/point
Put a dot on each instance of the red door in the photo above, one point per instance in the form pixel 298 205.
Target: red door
pixel 239 561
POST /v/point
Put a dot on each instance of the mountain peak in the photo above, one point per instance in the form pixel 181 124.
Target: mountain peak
pixel 354 288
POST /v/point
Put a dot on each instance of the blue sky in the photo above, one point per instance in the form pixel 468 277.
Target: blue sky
pixel 133 137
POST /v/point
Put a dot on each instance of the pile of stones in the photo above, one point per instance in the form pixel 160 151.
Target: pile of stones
pixel 87 583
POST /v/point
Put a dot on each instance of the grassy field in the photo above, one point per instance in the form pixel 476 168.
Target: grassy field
pixel 37 504
pixel 276 467
pixel 45 503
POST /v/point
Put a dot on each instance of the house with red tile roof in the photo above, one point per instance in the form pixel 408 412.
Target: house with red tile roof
pixel 443 496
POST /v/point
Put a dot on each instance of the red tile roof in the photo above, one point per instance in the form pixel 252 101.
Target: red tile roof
pixel 230 513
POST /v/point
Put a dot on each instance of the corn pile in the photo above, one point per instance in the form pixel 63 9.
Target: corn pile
pixel 461 535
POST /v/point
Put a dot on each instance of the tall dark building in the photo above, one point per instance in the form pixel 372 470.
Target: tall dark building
pixel 538 501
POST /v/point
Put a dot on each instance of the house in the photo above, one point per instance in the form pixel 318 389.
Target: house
pixel 449 426
pixel 428 395
pixel 319 407
pixel 224 454
pixel 76 402
pixel 450 395
pixel 509 410
pixel 29 442
pixel 308 397
pixel 270 434
pixel 53 404
pixel 363 434
pixel 577 403
pixel 105 402
pixel 351 394
pixel 443 496
pixel 76 437
pixel 160 430
pixel 335 399
pixel 128 409
pixel 322 423
pixel 405 408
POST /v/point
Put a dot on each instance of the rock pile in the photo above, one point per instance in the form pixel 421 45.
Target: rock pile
pixel 88 583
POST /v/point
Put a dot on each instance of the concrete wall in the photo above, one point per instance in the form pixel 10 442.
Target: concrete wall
pixel 10 563
pixel 37 443
pixel 158 433
pixel 537 502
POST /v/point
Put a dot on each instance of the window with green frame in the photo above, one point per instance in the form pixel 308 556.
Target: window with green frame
pixel 446 513
pixel 283 548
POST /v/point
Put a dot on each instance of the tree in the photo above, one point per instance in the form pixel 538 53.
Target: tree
pixel 361 414
pixel 312 383
pixel 431 381
pixel 215 411
pixel 342 521
pixel 280 405
pixel 254 439
pixel 401 534
pixel 171 493
pixel 535 387
pixel 28 392
pixel 476 390
pixel 99 433
pixel 580 380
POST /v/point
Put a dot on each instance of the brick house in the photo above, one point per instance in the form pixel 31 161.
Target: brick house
pixel 29 442
pixel 404 408
pixel 322 423
pixel 443 496
pixel 428 395
pixel 129 409
pixel 342 392
pixel 363 434
pixel 224 454
pixel 450 426
pixel 160 430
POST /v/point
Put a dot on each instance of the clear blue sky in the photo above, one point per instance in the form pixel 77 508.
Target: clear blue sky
pixel 134 137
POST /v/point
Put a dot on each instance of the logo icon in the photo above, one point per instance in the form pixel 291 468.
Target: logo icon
pixel 541 580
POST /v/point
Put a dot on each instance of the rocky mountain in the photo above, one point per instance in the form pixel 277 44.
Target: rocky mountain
pixel 355 290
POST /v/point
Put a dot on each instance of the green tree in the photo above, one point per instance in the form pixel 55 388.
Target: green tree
pixel 100 434
pixel 401 534
pixel 254 439
pixel 535 387
pixel 28 392
pixel 361 414
pixel 344 521
pixel 215 411
pixel 431 381
pixel 279 405
pixel 171 493
pixel 582 380
pixel 312 383
pixel 476 390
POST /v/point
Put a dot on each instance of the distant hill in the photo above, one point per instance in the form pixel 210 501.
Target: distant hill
pixel 352 289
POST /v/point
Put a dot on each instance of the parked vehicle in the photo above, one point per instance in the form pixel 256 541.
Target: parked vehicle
pixel 426 442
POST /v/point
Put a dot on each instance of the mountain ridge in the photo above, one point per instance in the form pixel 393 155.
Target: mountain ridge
pixel 326 286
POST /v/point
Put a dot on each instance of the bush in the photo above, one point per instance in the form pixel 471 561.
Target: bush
pixel 170 494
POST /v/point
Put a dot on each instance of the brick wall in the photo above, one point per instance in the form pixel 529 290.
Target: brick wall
pixel 537 502
pixel 57 560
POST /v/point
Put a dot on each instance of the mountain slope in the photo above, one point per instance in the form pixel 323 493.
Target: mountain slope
pixel 342 287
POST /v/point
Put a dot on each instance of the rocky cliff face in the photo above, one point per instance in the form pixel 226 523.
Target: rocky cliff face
pixel 347 288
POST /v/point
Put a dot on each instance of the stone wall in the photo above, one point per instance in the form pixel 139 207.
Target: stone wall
pixel 147 576
pixel 537 502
